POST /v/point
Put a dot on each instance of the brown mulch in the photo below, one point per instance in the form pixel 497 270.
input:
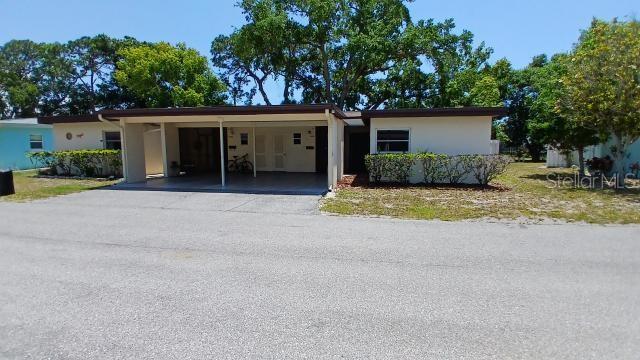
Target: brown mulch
pixel 362 181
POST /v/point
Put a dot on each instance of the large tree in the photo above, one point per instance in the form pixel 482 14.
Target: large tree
pixel 20 63
pixel 357 54
pixel 163 75
pixel 560 129
pixel 603 84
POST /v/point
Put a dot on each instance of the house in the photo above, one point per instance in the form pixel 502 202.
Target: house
pixel 556 158
pixel 290 146
pixel 18 137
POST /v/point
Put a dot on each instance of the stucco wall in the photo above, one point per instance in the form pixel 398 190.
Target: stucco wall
pixel 153 152
pixel 14 145
pixel 298 157
pixel 84 136
pixel 442 135
pixel 446 135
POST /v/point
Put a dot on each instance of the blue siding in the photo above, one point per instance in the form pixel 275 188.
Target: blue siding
pixel 14 145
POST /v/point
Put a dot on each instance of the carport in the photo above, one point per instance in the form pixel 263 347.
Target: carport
pixel 292 148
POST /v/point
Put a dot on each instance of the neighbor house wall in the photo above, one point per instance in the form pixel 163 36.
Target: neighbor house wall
pixel 84 136
pixel 15 145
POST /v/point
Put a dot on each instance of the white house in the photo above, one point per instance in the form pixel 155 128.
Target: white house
pixel 293 144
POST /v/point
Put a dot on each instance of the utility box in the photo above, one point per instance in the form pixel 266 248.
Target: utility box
pixel 6 183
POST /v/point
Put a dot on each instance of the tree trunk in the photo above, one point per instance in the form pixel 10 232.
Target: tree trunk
pixel 581 161
pixel 325 73
pixel 618 158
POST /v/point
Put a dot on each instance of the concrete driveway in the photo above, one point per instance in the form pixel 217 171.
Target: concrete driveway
pixel 151 275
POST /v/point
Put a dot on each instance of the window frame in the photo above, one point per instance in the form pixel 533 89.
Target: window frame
pixel 105 142
pixel 294 138
pixel 31 142
pixel 408 141
pixel 244 141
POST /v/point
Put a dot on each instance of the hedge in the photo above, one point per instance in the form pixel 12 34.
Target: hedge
pixel 436 168
pixel 86 163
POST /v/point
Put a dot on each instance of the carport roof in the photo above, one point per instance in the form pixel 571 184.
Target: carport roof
pixel 200 110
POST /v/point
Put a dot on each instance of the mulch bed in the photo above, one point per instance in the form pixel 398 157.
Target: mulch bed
pixel 362 181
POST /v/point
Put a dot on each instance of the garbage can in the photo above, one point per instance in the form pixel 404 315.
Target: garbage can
pixel 6 183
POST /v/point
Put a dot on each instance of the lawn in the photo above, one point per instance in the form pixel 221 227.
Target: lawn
pixel 30 187
pixel 523 192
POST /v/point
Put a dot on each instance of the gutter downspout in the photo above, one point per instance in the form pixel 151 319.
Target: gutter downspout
pixel 106 121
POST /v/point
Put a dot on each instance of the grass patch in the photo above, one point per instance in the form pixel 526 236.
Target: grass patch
pixel 30 187
pixel 523 191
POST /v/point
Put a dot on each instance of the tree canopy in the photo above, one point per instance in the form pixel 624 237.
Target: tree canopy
pixel 357 54
pixel 163 75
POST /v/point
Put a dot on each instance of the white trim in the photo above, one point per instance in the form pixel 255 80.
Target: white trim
pixel 408 141
pixel 222 163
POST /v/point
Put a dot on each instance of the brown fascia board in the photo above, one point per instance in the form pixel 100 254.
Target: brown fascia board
pixel 225 110
pixel 435 112
pixel 190 111
pixel 65 119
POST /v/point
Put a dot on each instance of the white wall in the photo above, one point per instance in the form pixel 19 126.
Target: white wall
pixel 297 159
pixel 153 151
pixel 445 135
pixel 458 135
pixel 84 136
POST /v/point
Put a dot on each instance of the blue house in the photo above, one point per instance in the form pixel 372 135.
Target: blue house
pixel 19 137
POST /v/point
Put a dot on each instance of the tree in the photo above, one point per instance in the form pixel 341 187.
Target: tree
pixel 162 75
pixel 356 54
pixel 561 130
pixel 20 61
pixel 603 84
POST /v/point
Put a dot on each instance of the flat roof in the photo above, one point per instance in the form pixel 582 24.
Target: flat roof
pixel 435 112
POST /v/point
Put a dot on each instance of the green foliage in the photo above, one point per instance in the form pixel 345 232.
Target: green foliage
pixel 357 54
pixel 485 168
pixel 86 163
pixel 603 83
pixel 163 75
pixel 391 167
pixel 433 167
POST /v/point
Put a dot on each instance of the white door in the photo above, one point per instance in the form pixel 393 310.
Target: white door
pixel 279 155
pixel 261 153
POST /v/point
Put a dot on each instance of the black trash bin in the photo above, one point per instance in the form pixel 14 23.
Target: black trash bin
pixel 6 183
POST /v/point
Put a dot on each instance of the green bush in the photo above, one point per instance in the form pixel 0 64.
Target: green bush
pixel 433 167
pixel 486 167
pixel 392 167
pixel 437 168
pixel 86 163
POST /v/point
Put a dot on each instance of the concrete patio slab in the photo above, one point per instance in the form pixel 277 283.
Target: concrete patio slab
pixel 279 183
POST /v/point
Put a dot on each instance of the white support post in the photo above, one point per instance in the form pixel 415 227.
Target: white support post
pixel 222 164
pixel 253 141
pixel 330 148
pixel 165 158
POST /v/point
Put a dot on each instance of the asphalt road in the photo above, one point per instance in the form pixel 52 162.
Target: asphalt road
pixel 152 275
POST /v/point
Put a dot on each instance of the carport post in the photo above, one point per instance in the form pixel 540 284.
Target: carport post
pixel 222 164
pixel 253 141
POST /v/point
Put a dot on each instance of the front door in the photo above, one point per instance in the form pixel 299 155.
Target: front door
pixel 279 154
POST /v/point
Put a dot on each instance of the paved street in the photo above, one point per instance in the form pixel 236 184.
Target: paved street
pixel 154 275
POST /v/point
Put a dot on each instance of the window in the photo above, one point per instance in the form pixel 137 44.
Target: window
pixel 297 138
pixel 244 139
pixel 112 140
pixel 35 142
pixel 392 141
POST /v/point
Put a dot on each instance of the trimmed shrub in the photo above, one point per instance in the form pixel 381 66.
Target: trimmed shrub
pixel 432 167
pixel 485 168
pixel 456 167
pixel 86 163
pixel 391 167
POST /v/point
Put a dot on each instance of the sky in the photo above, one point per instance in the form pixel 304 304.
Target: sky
pixel 515 29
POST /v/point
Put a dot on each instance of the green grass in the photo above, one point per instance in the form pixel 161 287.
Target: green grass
pixel 523 191
pixel 30 187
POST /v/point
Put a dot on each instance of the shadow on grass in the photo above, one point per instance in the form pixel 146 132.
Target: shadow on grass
pixel 362 181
